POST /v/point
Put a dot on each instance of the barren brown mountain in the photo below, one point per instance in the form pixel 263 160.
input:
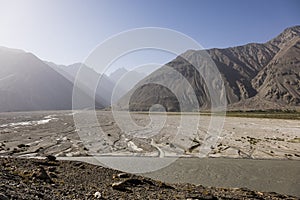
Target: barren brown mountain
pixel 256 76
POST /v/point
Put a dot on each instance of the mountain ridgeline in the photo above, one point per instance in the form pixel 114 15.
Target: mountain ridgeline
pixel 28 83
pixel 256 76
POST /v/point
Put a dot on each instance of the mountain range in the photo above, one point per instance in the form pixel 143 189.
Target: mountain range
pixel 28 83
pixel 256 76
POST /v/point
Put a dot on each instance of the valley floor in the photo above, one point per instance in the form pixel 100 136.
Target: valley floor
pixel 55 133
pixel 258 153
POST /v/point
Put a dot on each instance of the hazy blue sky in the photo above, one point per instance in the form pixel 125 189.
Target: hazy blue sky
pixel 65 31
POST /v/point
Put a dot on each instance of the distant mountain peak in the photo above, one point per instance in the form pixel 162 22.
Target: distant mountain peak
pixel 292 29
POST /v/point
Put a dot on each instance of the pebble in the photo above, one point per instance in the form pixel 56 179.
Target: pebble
pixel 121 175
pixel 51 158
pixel 97 195
pixel 42 175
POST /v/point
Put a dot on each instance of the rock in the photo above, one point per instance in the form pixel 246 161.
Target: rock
pixel 51 158
pixel 163 185
pixel 42 175
pixel 97 195
pixel 119 186
pixel 260 193
pixel 127 184
pixel 52 169
pixel 121 175
pixel 53 175
pixel 21 145
pixel 77 164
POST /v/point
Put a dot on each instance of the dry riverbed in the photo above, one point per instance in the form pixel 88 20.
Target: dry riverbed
pixel 44 133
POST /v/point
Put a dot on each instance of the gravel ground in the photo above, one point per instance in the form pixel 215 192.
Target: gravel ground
pixel 51 179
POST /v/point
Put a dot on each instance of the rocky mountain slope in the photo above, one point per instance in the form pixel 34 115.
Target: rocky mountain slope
pixel 279 81
pixel 255 76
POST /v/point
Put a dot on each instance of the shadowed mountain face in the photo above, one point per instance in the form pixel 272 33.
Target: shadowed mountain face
pixel 27 84
pixel 256 76
pixel 167 99
pixel 165 87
